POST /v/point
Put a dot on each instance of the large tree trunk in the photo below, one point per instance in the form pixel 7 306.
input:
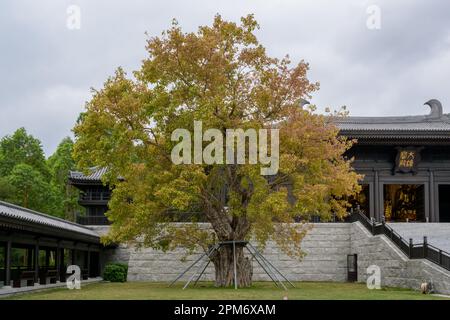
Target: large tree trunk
pixel 228 227
pixel 223 261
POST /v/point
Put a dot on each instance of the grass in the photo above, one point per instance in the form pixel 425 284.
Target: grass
pixel 206 291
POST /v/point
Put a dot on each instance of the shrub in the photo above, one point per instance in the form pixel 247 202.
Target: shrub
pixel 115 272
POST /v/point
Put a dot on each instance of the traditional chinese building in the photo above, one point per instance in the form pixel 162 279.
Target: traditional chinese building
pixel 94 196
pixel 406 165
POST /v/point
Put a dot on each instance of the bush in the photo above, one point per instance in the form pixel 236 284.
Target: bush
pixel 115 272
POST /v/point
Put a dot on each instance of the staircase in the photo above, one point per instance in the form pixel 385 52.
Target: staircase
pixel 438 234
pixel 417 246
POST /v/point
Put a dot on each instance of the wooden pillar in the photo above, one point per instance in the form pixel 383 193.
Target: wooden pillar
pixel 378 212
pixel 36 262
pixel 432 198
pixel 63 263
pixel 58 263
pixel 371 200
pixel 30 258
pixel 73 256
pixel 88 262
pixel 8 263
pixel 47 257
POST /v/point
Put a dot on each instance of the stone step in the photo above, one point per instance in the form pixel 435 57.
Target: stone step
pixel 438 234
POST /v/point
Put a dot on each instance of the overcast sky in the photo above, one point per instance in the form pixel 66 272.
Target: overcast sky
pixel 389 68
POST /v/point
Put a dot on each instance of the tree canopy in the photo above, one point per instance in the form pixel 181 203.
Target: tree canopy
pixel 222 76
pixel 29 180
pixel 66 196
pixel 21 147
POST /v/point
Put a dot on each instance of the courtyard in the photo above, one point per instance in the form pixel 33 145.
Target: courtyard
pixel 207 291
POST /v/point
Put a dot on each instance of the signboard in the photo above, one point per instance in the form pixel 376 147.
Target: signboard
pixel 407 159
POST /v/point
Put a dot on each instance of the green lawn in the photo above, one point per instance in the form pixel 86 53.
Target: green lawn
pixel 206 291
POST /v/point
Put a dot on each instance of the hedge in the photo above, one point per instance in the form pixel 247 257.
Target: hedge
pixel 115 272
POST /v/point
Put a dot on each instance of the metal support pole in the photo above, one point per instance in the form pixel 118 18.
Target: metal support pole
pixel 189 268
pixel 257 260
pixel 199 267
pixel 278 271
pixel 269 267
pixel 199 276
pixel 207 264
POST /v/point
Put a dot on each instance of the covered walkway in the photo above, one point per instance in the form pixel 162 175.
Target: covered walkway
pixel 36 248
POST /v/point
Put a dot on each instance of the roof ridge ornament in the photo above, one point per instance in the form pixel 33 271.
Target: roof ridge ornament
pixel 436 109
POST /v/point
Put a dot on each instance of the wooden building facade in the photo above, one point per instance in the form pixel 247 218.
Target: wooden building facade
pixel 406 165
pixel 94 196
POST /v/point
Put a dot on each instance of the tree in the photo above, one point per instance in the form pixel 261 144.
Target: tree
pixel 29 180
pixel 59 164
pixel 222 76
pixel 21 148
pixel 24 172
pixel 31 189
pixel 7 191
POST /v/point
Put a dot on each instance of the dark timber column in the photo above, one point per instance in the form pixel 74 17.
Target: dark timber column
pixel 58 263
pixel 88 262
pixel 36 262
pixel 371 200
pixel 30 258
pixel 377 196
pixel 8 264
pixel 432 215
pixel 73 256
pixel 47 258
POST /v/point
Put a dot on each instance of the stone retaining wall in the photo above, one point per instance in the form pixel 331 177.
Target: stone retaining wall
pixel 326 245
pixel 397 270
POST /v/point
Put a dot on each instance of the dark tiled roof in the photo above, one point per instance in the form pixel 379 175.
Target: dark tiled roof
pixel 435 125
pixel 23 214
pixel 95 175
pixel 411 123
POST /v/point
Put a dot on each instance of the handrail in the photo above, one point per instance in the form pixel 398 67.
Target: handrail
pixel 412 250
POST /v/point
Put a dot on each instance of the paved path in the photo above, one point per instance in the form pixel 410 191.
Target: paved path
pixel 8 291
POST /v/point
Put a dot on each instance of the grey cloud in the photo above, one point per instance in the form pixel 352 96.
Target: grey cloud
pixel 47 70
